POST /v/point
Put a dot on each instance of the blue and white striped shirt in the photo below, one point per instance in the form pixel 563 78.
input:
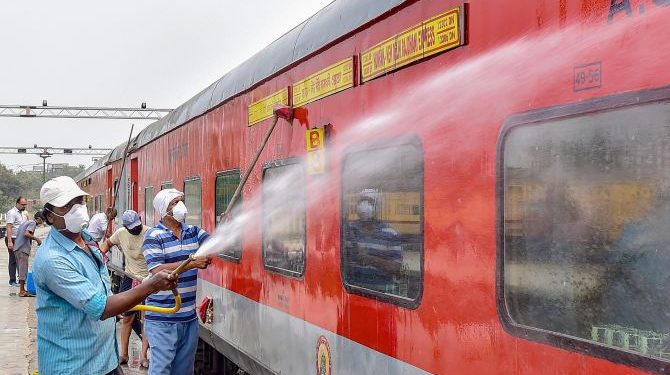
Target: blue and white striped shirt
pixel 72 291
pixel 161 246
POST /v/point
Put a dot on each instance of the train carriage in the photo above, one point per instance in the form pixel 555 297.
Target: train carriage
pixel 472 187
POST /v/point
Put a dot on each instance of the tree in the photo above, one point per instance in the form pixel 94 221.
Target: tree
pixel 27 184
pixel 10 188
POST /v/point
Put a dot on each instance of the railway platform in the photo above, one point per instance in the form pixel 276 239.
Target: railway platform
pixel 18 328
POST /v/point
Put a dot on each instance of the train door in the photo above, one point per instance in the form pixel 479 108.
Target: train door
pixel 110 187
pixel 134 184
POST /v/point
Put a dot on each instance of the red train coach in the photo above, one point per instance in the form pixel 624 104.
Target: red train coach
pixel 466 188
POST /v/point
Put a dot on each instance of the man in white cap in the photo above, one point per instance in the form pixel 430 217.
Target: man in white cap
pixel 129 239
pixel 173 338
pixel 75 334
pixel 99 227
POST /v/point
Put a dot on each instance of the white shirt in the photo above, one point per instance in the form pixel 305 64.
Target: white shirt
pixel 16 218
pixel 97 226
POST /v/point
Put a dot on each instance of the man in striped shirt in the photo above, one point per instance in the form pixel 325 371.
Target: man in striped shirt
pixel 173 338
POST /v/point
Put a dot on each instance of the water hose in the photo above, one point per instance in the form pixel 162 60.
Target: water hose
pixel 162 310
pixel 177 297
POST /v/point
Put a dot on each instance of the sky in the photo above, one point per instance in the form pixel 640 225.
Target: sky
pixel 120 54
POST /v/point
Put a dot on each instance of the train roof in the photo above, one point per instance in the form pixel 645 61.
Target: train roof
pixel 334 21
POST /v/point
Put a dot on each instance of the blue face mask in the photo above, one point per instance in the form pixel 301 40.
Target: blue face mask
pixel 365 210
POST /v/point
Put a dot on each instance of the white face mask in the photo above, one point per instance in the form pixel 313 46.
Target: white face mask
pixel 365 210
pixel 179 212
pixel 76 219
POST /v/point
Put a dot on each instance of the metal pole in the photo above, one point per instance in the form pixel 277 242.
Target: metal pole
pixel 44 170
pixel 250 167
pixel 123 165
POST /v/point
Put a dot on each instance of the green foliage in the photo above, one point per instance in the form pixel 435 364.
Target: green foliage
pixel 10 188
pixel 27 184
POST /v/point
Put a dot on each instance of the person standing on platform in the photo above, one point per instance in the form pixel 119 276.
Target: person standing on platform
pixel 15 217
pixel 173 337
pixel 129 239
pixel 22 247
pixel 99 227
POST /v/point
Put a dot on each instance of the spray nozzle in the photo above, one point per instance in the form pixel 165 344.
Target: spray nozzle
pixel 285 112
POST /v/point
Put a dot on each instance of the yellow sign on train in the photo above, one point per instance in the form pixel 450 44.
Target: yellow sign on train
pixel 429 37
pixel 264 108
pixel 316 151
pixel 335 78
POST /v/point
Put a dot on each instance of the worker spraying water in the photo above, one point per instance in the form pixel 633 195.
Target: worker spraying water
pixel 182 249
pixel 173 332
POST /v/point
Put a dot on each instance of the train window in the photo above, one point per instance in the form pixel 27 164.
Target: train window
pixel 585 246
pixel 167 185
pixel 193 200
pixel 89 205
pixel 96 204
pixel 284 217
pixel 149 206
pixel 226 183
pixel 117 191
pixel 382 222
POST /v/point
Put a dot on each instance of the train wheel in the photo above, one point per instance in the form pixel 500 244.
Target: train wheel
pixel 208 361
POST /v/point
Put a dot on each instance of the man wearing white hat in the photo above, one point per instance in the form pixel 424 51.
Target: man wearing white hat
pixel 74 300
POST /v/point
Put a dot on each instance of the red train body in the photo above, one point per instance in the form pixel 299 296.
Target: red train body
pixel 517 63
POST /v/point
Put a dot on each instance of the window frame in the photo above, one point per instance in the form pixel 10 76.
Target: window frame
pixel 277 270
pixel 164 185
pixel 191 179
pixel 216 177
pixel 535 118
pixel 147 214
pixel 408 303
pixel 116 184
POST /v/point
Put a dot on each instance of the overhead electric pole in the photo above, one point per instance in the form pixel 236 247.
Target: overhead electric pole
pixel 142 113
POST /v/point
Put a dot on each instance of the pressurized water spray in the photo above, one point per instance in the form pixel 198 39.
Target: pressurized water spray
pixel 280 111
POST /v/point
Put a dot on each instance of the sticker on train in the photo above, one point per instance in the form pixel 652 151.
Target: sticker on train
pixel 316 152
pixel 323 358
pixel 588 76
pixel 427 38
pixel 264 108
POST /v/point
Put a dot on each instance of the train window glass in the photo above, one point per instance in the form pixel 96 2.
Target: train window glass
pixel 167 185
pixel 226 183
pixel 89 205
pixel 118 192
pixel 102 206
pixel 586 249
pixel 149 206
pixel 382 222
pixel 284 218
pixel 193 201
pixel 96 204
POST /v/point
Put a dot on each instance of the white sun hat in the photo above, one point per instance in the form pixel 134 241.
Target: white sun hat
pixel 59 191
